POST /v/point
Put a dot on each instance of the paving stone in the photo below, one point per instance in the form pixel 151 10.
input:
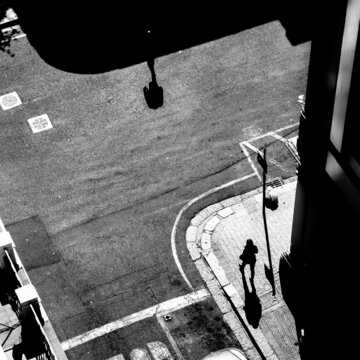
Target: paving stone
pixel 233 321
pixel 214 286
pixel 225 212
pixel 249 204
pixel 217 270
pixel 199 217
pixel 230 290
pixel 252 354
pixel 228 239
pixel 212 209
pixel 272 357
pixel 221 276
pixel 243 339
pixel 231 201
pixel 193 250
pixel 262 342
pixel 237 301
pixel 259 198
pixel 191 232
pixel 223 304
pixel 205 272
pixel 212 223
pixel 206 241
pixel 212 260
pixel 239 209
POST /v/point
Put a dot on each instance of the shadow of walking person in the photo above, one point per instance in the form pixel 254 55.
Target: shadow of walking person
pixel 248 257
pixel 154 94
pixel 253 308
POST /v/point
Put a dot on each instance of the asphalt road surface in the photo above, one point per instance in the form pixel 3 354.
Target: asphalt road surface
pixel 91 202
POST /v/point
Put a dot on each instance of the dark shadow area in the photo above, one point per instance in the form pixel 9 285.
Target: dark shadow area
pixel 32 342
pixel 252 302
pixel 248 257
pixel 17 352
pixel 154 94
pixel 6 35
pixel 33 243
pixel 84 37
pixel 291 289
pixel 252 306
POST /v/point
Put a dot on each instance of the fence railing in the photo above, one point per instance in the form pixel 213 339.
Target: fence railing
pixel 48 353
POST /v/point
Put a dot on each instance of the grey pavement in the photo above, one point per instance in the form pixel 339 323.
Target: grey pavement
pixel 215 239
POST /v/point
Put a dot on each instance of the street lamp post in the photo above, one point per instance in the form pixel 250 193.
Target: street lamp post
pixel 268 271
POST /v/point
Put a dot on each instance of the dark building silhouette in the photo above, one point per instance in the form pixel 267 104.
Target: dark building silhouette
pixel 323 258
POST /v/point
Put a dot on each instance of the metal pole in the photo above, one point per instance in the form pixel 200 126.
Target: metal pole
pixel 268 272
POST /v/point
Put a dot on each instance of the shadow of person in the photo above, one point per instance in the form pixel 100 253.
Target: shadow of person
pixel 154 94
pixel 253 308
pixel 248 257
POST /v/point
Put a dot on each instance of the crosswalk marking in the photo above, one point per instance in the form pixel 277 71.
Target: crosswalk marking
pixel 117 357
pixel 160 309
pixel 158 350
pixel 139 354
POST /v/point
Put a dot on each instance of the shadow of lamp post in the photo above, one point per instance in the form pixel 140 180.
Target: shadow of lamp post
pixel 269 273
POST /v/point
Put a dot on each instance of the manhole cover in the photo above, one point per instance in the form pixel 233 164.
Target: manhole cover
pixel 9 101
pixel 276 182
pixel 40 123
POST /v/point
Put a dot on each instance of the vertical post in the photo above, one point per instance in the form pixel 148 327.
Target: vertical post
pixel 268 272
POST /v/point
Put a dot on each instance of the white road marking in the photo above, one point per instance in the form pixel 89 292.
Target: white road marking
pixel 252 147
pixel 19 36
pixel 159 351
pixel 276 136
pixel 170 338
pixel 178 217
pixel 160 309
pixel 255 149
pixel 40 123
pixel 272 132
pixel 139 354
pixel 250 161
pixel 9 101
pixel 117 357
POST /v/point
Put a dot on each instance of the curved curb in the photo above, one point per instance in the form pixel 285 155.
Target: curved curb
pixel 188 207
pixel 198 241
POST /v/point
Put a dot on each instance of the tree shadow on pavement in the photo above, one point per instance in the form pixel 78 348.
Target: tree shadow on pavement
pixel 253 308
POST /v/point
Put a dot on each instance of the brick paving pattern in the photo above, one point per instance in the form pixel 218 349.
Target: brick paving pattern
pixel 219 233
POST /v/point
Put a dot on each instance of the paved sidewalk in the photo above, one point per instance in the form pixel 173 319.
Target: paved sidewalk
pixel 215 239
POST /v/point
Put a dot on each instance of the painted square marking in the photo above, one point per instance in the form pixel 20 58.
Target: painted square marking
pixel 40 123
pixel 10 100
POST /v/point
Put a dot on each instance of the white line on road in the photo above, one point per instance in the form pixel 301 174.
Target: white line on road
pixel 252 147
pixel 178 217
pixel 19 36
pixel 250 161
pixel 160 310
pixel 276 136
pixel 270 133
